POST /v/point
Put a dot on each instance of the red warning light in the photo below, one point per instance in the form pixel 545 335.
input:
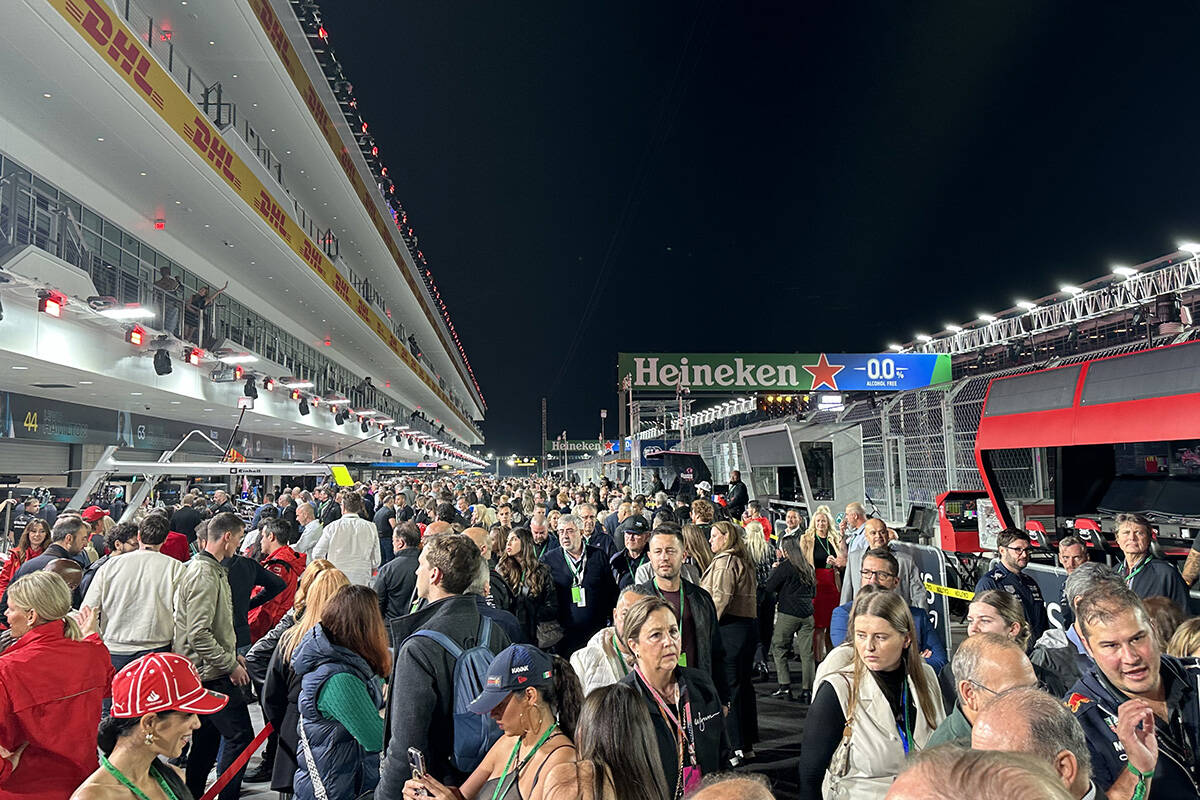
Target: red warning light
pixel 51 303
pixel 160 224
pixel 136 335
pixel 295 394
pixel 193 356
pixel 238 372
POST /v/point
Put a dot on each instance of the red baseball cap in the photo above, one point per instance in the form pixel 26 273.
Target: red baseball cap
pixel 93 513
pixel 162 682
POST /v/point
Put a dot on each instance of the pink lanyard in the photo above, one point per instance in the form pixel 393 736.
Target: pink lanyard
pixel 667 714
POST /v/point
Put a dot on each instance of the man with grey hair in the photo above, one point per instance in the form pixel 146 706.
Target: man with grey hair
pixel 852 525
pixel 985 666
pixel 735 786
pixel 1060 654
pixel 594 533
pixel 1031 721
pixel 583 582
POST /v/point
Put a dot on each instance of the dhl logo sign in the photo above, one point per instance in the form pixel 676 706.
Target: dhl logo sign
pixel 366 194
pixel 109 36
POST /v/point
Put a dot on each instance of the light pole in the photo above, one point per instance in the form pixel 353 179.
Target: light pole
pixel 490 455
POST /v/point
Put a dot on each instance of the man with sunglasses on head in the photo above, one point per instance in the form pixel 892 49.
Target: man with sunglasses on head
pixel 1007 576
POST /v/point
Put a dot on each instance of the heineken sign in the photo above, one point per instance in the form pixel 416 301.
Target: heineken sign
pixel 790 372
pixel 579 446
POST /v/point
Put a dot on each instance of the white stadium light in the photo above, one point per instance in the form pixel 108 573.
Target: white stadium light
pixel 1025 304
pixel 1190 247
pixel 986 318
pixel 1124 272
pixel 895 347
pixel 924 337
pixel 954 328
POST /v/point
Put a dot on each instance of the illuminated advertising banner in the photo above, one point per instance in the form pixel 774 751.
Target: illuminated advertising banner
pixel 581 446
pixel 125 54
pixel 787 372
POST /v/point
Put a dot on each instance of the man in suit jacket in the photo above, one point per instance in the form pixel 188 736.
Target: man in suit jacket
pixel 911 587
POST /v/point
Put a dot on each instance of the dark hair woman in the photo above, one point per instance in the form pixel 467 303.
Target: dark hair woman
pixel 33 542
pixel 341 662
pixel 534 597
pixel 156 703
pixel 534 698
pixel 685 710
pixel 794 583
pixel 614 735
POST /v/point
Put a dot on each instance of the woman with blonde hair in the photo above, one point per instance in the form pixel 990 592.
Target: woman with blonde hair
pixel 885 702
pixel 1185 642
pixel 55 677
pixel 823 548
pixel 699 551
pixel 762 557
pixel 999 612
pixel 730 579
pixel 281 689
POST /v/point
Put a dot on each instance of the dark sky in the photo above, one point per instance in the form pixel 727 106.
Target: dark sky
pixel 763 176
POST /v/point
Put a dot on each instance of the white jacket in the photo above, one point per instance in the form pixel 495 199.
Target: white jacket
pixel 876 752
pixel 597 663
pixel 351 544
pixel 133 595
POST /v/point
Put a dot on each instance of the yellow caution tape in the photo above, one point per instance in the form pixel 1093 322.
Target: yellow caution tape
pixel 959 594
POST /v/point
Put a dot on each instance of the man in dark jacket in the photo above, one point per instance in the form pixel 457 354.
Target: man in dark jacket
pixel 1060 655
pixel 396 582
pixel 186 518
pixel 701 646
pixel 1007 576
pixel 584 584
pixel 420 711
pixel 1146 575
pixel 737 496
pixel 328 508
pixel 1139 708
pixel 635 533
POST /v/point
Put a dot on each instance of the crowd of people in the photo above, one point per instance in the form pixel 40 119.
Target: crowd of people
pixel 481 638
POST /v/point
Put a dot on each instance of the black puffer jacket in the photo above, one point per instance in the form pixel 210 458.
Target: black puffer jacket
pixel 795 596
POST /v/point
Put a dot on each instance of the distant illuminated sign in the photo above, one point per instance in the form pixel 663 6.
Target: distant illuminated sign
pixel 789 372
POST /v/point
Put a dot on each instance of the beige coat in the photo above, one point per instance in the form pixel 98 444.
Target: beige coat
pixel 876 752
pixel 732 585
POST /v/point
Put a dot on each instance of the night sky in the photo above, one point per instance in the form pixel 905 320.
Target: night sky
pixel 760 176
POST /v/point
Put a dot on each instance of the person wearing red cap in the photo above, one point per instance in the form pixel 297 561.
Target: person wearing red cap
pixel 157 701
pixel 52 683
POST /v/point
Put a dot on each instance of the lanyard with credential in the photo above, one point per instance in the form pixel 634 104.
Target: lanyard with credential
pixel 904 729
pixel 1129 578
pixel 513 757
pixel 682 728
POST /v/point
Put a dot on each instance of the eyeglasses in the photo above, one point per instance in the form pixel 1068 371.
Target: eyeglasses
pixel 875 574
pixel 1039 686
pixel 1017 549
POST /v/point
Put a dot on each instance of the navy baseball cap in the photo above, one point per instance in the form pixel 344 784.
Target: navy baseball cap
pixel 516 667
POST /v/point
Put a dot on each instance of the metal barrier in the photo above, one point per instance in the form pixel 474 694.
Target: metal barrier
pixel 931 565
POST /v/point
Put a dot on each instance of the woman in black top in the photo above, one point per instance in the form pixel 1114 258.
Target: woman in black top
pixel 534 598
pixel 794 583
pixel 689 725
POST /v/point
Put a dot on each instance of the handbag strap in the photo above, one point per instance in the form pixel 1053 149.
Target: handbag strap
pixel 846 731
pixel 313 774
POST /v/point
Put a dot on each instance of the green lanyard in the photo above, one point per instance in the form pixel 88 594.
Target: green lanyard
pixel 682 606
pixel 539 553
pixel 1129 578
pixel 617 650
pixel 513 757
pixel 128 784
pixel 633 564
pixel 577 574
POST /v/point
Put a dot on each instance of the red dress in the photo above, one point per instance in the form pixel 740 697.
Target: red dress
pixel 51 688
pixel 828 595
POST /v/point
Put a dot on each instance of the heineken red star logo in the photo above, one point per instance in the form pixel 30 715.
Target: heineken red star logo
pixel 823 373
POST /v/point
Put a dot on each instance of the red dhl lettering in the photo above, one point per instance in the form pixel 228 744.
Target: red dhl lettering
pixel 96 23
pixel 312 257
pixel 362 309
pixel 273 214
pixel 318 111
pixel 209 145
pixel 275 33
pixel 341 287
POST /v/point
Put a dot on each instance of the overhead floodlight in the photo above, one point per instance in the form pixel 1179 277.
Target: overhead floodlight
pixel 296 383
pixel 1025 304
pixel 1069 289
pixel 895 348
pixel 924 337
pixel 131 311
pixel 987 318
pixel 1190 247
pixel 239 358
pixel 1124 272
pixel 954 328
